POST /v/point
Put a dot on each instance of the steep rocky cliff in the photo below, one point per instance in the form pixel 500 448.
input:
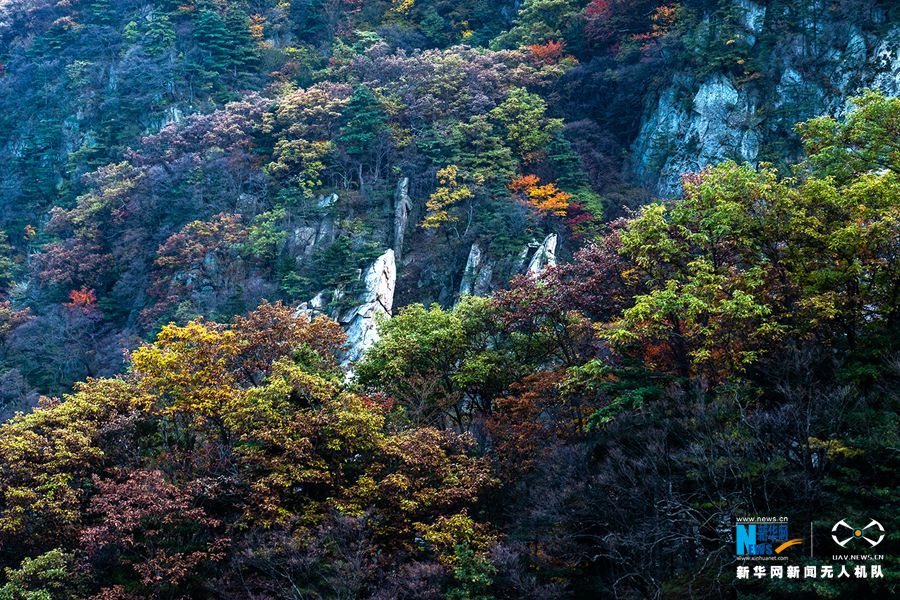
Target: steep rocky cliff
pixel 807 69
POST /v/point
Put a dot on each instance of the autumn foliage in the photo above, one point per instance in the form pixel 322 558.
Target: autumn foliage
pixel 83 299
pixel 222 435
pixel 192 196
pixel 551 52
pixel 546 198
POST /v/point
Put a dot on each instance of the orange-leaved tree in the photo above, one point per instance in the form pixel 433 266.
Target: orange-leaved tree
pixel 547 199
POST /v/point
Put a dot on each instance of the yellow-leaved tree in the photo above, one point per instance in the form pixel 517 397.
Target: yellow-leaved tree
pixel 455 193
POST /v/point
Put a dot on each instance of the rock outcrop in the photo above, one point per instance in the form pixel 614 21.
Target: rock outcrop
pixel 699 120
pixel 304 239
pixel 374 302
pixel 886 59
pixel 402 208
pixel 752 17
pixel 326 201
pixel 720 124
pixel 544 256
pixel 476 279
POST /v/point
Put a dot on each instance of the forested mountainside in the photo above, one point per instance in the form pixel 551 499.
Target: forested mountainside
pixel 433 299
pixel 168 160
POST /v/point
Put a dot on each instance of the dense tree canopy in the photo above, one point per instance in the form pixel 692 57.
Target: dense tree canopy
pixel 631 395
pixel 561 386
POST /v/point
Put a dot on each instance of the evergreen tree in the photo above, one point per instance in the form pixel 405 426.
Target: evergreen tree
pixel 479 147
pixel 101 12
pixel 131 33
pixel 242 52
pixel 308 19
pixel 160 35
pixel 213 41
pixel 364 132
pixel 435 27
pixel 566 164
pixel 365 122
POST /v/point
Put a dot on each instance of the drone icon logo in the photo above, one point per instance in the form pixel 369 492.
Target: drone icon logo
pixel 857 533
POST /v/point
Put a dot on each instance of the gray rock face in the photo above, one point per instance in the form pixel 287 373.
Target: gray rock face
pixel 313 232
pixel 886 61
pixel 172 115
pixel 719 125
pixel 302 241
pixel 326 233
pixel 544 256
pixel 476 279
pixel 325 202
pixel 376 301
pixel 693 123
pixel 317 303
pixel 752 18
pixel 402 207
